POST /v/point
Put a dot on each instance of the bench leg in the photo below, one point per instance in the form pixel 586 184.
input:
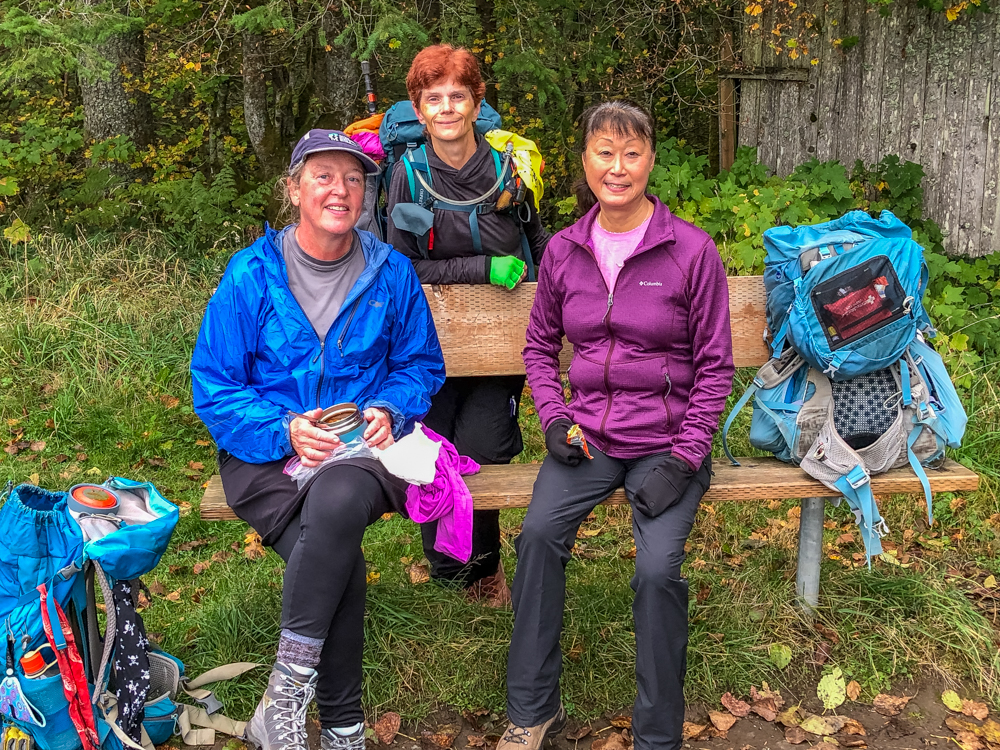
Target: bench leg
pixel 810 552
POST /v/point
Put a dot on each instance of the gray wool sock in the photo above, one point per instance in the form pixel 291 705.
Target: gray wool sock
pixel 299 650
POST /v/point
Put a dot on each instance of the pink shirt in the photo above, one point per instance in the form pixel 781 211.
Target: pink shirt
pixel 614 248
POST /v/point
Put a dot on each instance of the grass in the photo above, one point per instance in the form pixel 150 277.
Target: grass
pixel 95 339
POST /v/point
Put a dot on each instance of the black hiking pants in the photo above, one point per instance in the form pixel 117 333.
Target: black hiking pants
pixel 479 417
pixel 562 498
pixel 325 582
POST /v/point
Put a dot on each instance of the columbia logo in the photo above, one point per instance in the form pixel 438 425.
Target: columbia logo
pixel 650 283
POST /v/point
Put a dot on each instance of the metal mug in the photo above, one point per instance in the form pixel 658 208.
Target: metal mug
pixel 345 420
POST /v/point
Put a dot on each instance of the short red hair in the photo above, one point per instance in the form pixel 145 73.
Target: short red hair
pixel 439 63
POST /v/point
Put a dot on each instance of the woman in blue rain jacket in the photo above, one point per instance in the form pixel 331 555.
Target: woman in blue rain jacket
pixel 305 318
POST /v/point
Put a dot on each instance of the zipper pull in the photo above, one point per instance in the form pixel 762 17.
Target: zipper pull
pixel 611 299
pixel 322 345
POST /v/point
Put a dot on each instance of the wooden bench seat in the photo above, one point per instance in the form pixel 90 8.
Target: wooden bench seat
pixel 481 329
pixel 497 487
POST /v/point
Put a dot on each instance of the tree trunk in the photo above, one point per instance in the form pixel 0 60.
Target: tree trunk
pixel 484 8
pixel 113 101
pixel 261 110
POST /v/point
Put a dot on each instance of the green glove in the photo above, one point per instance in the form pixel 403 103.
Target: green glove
pixel 507 271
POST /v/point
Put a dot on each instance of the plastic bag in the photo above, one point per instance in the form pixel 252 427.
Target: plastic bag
pixel 301 473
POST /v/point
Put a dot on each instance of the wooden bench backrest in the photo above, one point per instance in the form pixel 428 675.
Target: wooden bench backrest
pixel 481 327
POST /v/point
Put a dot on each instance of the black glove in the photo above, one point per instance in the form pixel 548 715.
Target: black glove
pixel 559 449
pixel 663 486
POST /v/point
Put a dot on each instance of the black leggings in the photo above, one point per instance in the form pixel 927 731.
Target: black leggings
pixel 324 586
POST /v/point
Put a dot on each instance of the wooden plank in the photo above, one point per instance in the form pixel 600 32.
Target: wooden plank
pixel 935 103
pixel 872 46
pixel 959 43
pixel 497 487
pixel 727 107
pixel 990 240
pixel 918 40
pixel 750 91
pixel 767 74
pixel 893 44
pixel 847 121
pixel 972 185
pixel 829 83
pixel 481 327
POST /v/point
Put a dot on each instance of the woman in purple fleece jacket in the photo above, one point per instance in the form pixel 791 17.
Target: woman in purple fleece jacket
pixel 642 296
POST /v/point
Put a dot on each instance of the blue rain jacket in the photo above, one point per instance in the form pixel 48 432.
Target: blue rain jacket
pixel 257 356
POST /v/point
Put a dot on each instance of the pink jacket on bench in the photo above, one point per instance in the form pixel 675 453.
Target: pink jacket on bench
pixel 652 359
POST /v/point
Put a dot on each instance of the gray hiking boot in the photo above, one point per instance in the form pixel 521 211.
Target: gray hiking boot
pixel 330 740
pixel 279 723
pixel 532 738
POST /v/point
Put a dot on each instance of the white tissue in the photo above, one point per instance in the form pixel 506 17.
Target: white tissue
pixel 413 458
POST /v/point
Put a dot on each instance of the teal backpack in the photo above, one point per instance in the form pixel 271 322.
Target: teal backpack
pixel 51 565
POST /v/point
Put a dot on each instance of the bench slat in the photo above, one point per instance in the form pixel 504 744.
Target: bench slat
pixel 758 479
pixel 481 327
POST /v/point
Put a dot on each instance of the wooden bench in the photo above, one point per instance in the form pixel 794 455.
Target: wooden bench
pixel 481 329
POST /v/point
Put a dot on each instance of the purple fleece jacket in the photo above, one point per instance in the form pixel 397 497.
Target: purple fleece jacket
pixel 653 358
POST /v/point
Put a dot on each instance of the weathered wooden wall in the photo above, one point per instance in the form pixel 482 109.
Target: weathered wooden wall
pixel 916 85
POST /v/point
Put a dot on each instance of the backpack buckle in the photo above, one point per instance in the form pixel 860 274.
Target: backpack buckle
pixel 857 477
pixel 881 528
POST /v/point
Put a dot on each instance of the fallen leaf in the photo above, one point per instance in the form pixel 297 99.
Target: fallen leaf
pixel 956 724
pixel 824 726
pixel 194 544
pixel 822 653
pixel 828 633
pixel 722 720
pixel 735 706
pixel 252 547
pixel 853 690
pixel 587 533
pixel 220 556
pixel 61 458
pixel 574 654
pixel 81 457
pixel 94 471
pixel 198 593
pixel 201 567
pixel 989 583
pixel 157 589
pixel 580 732
pixel 975 710
pixel 765 709
pixel 622 721
pixel 613 741
pixel 174 596
pixel 387 726
pixel 703 593
pixel 766 692
pixel 848 740
pixel 37 446
pixel 476 740
pixel 196 465
pixel 34 479
pixel 795 735
pixel 853 727
pixel 628 554
pixel 692 731
pixel 373 577
pixel 969 741
pixel 170 402
pixel 780 655
pixel 832 690
pixel 418 573
pixel 157 462
pixel 791 717
pixel 951 701
pixel 11 450
pixel 143 602
pixel 991 732
pixel 890 705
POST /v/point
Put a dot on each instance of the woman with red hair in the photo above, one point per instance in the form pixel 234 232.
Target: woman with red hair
pixel 478 415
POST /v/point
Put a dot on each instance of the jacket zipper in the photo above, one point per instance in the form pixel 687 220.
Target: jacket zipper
pixel 343 331
pixel 607 366
pixel 666 398
pixel 322 367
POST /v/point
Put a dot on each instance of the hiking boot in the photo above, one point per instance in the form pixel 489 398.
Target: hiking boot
pixel 532 738
pixel 279 723
pixel 330 740
pixel 492 591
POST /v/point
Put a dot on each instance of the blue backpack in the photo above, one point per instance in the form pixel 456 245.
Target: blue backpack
pixel 48 545
pixel 402 137
pixel 847 294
